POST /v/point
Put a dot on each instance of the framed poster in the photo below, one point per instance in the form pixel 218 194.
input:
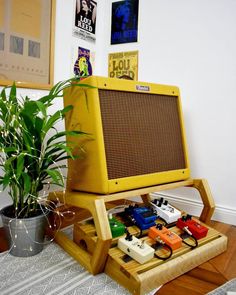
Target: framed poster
pixel 124 22
pixel 123 64
pixel 85 20
pixel 27 43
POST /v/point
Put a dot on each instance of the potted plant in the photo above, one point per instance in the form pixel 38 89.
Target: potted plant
pixel 31 155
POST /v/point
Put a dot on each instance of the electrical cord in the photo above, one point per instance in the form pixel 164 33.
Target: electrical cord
pixel 185 236
pixel 161 244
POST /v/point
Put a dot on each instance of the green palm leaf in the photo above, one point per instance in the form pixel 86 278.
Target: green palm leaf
pixel 32 150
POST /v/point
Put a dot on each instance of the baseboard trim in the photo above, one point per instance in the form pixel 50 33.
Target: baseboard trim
pixel 194 207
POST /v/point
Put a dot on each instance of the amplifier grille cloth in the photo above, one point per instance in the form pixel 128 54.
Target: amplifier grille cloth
pixel 142 133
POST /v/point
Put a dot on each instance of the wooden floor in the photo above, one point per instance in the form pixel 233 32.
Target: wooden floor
pixel 202 279
pixel 209 275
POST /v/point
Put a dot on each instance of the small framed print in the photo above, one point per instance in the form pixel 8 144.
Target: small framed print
pixel 27 43
pixel 85 20
pixel 124 23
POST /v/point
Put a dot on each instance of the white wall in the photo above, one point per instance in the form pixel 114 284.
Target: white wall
pixel 191 44
pixel 195 49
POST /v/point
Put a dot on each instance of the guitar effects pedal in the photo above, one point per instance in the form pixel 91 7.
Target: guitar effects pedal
pixel 165 210
pixel 198 230
pixel 139 250
pixel 143 217
pixel 117 227
pixel 170 238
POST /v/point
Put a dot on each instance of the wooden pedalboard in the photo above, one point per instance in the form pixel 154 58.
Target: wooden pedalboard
pixel 142 278
pixel 95 249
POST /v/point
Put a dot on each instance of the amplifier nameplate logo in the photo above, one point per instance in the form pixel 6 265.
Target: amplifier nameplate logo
pixel 142 88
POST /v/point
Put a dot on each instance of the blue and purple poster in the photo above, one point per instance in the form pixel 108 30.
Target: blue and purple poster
pixel 124 23
pixel 82 66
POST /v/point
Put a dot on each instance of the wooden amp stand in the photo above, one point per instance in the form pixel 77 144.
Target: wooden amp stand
pixel 95 204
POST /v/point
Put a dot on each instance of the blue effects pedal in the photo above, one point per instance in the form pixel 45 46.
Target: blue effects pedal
pixel 143 217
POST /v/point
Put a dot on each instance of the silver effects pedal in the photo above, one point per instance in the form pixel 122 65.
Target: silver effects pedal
pixel 165 210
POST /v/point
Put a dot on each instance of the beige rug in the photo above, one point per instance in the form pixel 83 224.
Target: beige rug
pixel 52 272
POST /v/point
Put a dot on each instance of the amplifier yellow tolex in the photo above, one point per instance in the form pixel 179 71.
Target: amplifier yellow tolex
pixel 137 136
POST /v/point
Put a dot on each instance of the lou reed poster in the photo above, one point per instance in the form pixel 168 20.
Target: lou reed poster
pixel 123 64
pixel 124 24
pixel 85 20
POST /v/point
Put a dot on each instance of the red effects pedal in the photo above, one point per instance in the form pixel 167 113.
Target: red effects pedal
pixel 198 230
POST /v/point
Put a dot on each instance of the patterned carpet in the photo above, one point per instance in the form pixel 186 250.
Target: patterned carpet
pixel 52 272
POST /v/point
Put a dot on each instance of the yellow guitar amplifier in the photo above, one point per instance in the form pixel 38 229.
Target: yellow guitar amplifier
pixel 137 136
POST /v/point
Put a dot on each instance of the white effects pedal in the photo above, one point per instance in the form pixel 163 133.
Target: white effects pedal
pixel 135 248
pixel 165 210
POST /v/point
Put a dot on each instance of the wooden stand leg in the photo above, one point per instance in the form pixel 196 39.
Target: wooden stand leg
pixel 94 262
pixel 208 202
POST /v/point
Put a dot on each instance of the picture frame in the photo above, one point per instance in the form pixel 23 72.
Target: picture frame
pixel 124 22
pixel 123 64
pixel 27 33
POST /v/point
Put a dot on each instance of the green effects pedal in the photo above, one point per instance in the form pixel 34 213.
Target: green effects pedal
pixel 117 227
